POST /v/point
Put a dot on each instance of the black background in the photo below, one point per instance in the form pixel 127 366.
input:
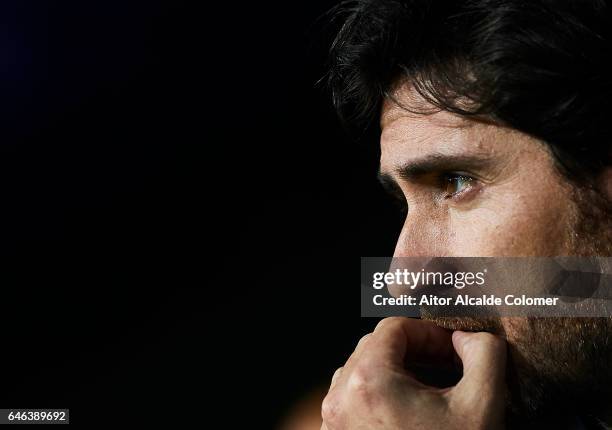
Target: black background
pixel 182 216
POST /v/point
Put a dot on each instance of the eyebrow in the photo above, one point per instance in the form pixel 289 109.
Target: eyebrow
pixel 415 169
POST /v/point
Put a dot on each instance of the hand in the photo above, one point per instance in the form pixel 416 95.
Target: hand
pixel 375 391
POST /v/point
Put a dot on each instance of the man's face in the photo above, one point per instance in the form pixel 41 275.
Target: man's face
pixel 474 189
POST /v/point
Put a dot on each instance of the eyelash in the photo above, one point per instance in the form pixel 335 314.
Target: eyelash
pixel 448 178
pixel 444 179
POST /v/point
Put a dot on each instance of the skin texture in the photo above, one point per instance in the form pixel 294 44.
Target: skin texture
pixel 511 200
pixel 373 389
pixel 504 205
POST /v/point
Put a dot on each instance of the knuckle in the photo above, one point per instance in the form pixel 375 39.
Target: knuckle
pixel 365 338
pixel 362 383
pixel 367 390
pixel 336 375
pixel 390 323
pixel 330 408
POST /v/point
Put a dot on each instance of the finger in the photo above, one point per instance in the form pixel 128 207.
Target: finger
pixel 361 346
pixel 336 377
pixel 350 362
pixel 398 340
pixel 484 363
pixel 362 342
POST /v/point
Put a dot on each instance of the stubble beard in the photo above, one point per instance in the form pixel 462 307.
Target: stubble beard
pixel 559 364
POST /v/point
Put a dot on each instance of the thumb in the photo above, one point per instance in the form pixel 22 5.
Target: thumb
pixel 484 365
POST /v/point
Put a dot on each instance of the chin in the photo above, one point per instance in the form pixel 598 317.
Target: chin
pixel 488 324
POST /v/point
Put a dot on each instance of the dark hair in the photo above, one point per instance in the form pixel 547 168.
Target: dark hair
pixel 541 67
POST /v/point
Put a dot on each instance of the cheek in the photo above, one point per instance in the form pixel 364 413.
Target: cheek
pixel 513 225
pixel 530 224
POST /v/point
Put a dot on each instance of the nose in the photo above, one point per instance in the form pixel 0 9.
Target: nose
pixel 405 265
pixel 420 237
pixel 419 242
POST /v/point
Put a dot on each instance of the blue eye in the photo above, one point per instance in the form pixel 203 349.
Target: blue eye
pixel 455 184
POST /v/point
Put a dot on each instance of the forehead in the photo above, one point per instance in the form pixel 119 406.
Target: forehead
pixel 408 133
